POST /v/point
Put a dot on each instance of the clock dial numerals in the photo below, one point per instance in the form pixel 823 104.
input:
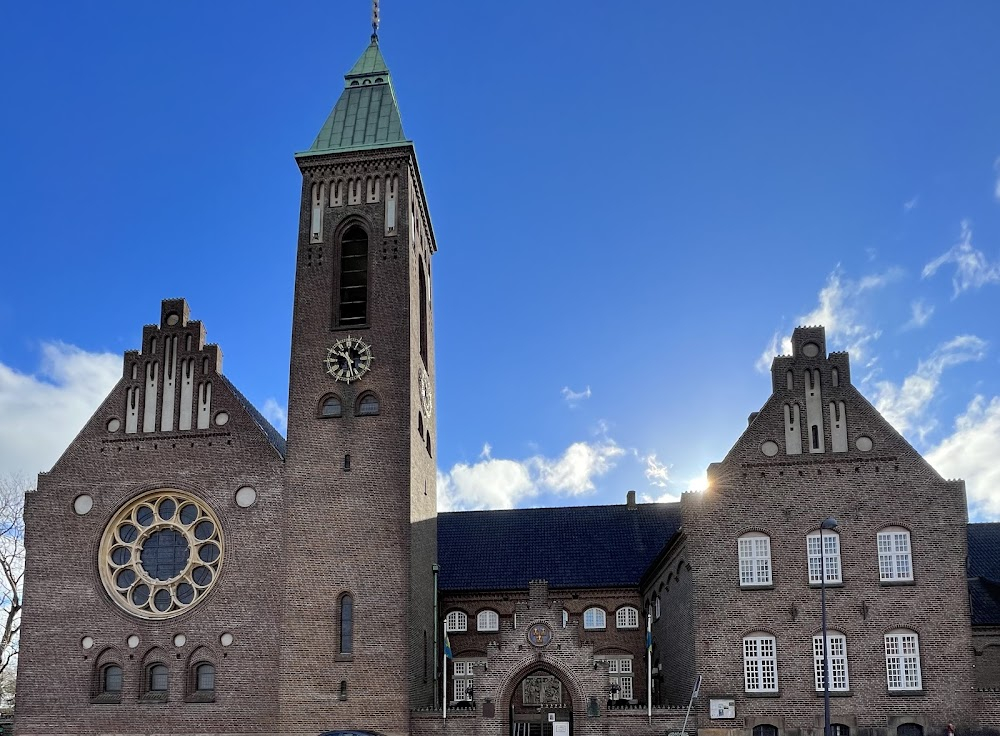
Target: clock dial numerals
pixel 349 359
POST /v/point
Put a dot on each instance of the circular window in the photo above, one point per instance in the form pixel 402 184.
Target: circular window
pixel 83 504
pixel 769 448
pixel 246 497
pixel 114 425
pixel 810 350
pixel 864 443
pixel 161 554
pixel 222 418
pixel 133 641
pixel 87 642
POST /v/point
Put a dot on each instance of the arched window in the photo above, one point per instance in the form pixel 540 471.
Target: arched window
pixel 830 553
pixel 456 621
pixel 368 405
pixel 656 606
pixel 755 559
pixel 422 296
pixel 839 729
pixel 627 617
pixel 902 660
pixel 894 555
pixel 331 407
pixel 353 277
pixel 488 621
pixel 346 624
pixel 909 729
pixel 594 618
pixel 765 729
pixel 111 680
pixel 204 677
pixel 839 680
pixel 158 678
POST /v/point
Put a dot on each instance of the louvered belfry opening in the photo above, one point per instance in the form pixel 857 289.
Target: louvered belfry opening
pixel 354 278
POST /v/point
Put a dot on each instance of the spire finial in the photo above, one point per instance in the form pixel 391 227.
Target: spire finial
pixel 374 21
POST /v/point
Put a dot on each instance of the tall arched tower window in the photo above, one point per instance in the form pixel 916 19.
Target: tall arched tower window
pixel 423 310
pixel 353 277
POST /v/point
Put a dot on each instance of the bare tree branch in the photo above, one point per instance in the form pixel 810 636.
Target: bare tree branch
pixel 12 490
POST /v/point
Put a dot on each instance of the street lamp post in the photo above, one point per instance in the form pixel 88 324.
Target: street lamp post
pixel 828 524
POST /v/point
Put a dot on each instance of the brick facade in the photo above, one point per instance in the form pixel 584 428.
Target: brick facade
pixel 346 510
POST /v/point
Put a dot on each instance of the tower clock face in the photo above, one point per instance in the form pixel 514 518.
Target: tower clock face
pixel 349 359
pixel 426 394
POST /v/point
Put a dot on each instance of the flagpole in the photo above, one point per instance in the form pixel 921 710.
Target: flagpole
pixel 444 669
pixel 649 665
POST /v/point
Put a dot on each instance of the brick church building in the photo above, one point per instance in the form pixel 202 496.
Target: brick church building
pixel 191 571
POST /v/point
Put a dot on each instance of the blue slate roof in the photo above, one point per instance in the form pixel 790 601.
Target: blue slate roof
pixel 984 574
pixel 273 436
pixel 570 547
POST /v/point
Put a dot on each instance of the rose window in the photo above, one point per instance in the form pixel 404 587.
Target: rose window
pixel 161 554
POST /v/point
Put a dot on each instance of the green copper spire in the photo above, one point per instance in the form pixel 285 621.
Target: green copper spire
pixel 366 115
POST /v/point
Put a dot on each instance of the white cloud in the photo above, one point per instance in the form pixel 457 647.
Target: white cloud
pixel 575 397
pixel 41 413
pixel 972 269
pixel 657 473
pixel 839 312
pixel 495 483
pixel 921 313
pixel 911 203
pixel 275 414
pixel 904 405
pixel 662 498
pixel 971 453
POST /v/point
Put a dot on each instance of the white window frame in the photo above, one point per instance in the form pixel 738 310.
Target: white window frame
pixel 902 660
pixel 754 549
pixel 565 618
pixel 815 557
pixel 456 621
pixel 656 606
pixel 839 676
pixel 895 555
pixel 760 664
pixel 488 620
pixel 595 617
pixel 463 679
pixel 620 673
pixel 627 617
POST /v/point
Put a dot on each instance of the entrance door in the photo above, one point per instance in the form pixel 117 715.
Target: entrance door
pixel 544 728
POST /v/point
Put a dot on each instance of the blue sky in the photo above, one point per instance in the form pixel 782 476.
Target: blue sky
pixel 634 205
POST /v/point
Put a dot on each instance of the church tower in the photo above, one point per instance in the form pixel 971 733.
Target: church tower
pixel 359 525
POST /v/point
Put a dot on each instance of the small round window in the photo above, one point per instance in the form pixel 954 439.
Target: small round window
pixel 161 554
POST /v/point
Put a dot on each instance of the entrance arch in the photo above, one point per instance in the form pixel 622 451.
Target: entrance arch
pixel 540 699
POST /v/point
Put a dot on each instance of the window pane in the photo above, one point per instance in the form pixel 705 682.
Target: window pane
pixel 158 678
pixel 346 625
pixel 113 679
pixel 206 677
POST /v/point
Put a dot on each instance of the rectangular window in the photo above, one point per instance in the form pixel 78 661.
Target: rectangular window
pixel 463 680
pixel 760 665
pixel 755 559
pixel 894 555
pixel 838 663
pixel 831 554
pixel 902 660
pixel 619 677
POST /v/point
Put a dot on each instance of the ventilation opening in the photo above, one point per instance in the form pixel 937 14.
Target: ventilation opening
pixel 815 437
pixel 354 278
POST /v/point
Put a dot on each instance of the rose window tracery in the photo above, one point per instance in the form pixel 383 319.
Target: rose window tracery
pixel 161 553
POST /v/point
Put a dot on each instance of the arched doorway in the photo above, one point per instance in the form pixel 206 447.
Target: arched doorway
pixel 541 705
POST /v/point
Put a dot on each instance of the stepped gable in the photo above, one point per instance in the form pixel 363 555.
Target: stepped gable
pixel 173 388
pixel 570 547
pixel 815 415
pixel 984 573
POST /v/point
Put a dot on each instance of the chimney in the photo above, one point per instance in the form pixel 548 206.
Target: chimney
pixel 630 500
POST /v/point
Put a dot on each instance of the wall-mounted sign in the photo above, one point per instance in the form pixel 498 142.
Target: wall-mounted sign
pixel 560 728
pixel 721 708
pixel 539 635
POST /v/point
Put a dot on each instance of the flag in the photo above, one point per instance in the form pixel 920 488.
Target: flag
pixel 447 646
pixel 649 634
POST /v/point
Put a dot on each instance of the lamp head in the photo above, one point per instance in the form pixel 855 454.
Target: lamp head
pixel 828 523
